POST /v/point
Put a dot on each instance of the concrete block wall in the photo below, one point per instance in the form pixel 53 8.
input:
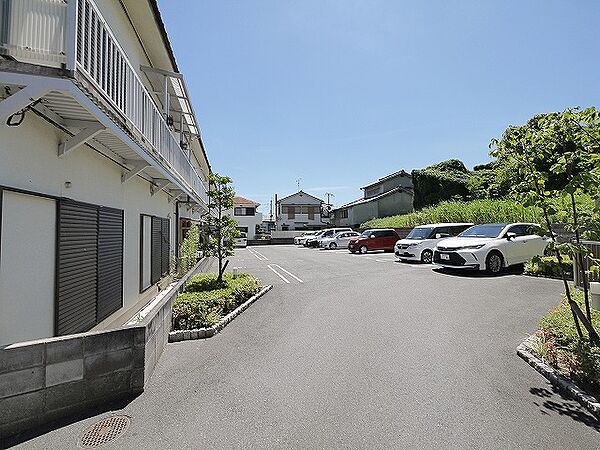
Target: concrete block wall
pixel 52 378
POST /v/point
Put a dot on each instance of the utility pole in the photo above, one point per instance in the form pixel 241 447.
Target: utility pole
pixel 329 194
pixel 271 210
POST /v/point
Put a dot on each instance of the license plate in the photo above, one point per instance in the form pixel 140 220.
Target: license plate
pixel 444 256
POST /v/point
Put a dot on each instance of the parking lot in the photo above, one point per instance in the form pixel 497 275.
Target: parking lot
pixel 358 351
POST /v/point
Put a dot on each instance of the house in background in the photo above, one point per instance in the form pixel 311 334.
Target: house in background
pixel 388 196
pixel 246 215
pixel 102 161
pixel 300 211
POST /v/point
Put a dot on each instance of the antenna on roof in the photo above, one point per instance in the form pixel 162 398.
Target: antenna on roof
pixel 329 194
pixel 298 182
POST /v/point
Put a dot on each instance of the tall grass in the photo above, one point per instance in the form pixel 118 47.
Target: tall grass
pixel 475 211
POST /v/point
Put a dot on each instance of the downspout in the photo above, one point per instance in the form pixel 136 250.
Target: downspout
pixel 177 236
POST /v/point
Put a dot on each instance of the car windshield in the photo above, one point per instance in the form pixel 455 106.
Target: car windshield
pixel 483 231
pixel 419 233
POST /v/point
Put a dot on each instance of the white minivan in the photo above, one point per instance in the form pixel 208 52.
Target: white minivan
pixel 420 243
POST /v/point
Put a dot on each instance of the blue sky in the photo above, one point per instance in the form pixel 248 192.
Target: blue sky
pixel 342 92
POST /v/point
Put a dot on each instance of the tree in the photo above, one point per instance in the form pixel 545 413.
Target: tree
pixel 556 155
pixel 188 250
pixel 220 226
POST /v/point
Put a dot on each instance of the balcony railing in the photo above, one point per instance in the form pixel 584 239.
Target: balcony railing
pixel 55 34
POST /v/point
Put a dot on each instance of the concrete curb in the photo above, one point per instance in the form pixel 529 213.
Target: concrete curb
pixel 203 333
pixel 557 379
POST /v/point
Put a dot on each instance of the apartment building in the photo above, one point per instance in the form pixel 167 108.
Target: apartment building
pixel 102 161
pixel 388 196
pixel 246 215
pixel 300 211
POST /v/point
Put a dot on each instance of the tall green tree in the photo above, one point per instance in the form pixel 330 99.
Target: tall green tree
pixel 220 226
pixel 556 156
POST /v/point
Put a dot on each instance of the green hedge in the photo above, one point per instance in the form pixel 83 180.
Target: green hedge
pixel 547 266
pixel 204 301
pixel 476 211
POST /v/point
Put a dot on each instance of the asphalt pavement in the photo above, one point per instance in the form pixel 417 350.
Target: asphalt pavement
pixel 357 351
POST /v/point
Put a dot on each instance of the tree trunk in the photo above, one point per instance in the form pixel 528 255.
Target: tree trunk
pixel 579 256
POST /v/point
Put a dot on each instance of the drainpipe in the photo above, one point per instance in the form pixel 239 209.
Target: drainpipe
pixel 177 235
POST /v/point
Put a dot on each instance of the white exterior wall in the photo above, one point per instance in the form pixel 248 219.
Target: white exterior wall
pixel 27 259
pixel 30 162
pixel 248 221
pixel 300 220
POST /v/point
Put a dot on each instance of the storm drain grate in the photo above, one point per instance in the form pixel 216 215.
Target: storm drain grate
pixel 104 431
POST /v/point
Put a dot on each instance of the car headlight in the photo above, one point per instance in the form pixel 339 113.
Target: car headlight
pixel 470 247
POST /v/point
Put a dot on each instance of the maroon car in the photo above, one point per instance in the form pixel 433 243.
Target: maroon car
pixel 374 239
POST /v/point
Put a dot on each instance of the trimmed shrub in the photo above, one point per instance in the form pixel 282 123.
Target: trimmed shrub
pixel 204 302
pixel 547 266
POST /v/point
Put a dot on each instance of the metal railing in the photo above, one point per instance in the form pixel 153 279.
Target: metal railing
pixel 54 33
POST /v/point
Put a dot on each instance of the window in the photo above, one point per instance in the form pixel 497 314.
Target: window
pixel 372 192
pixel 242 229
pixel 291 212
pixel 520 230
pixel 242 211
pixel 344 214
pixel 154 249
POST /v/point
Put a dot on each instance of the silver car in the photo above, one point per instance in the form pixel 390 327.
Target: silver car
pixel 339 240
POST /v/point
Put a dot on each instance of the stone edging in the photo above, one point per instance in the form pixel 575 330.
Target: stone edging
pixel 202 333
pixel 557 379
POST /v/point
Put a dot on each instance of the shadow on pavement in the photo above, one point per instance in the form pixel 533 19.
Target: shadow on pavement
pixel 113 406
pixel 512 270
pixel 563 408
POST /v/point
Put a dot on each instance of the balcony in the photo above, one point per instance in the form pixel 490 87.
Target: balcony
pixel 148 129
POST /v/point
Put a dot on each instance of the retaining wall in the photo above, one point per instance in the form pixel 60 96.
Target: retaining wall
pixel 52 378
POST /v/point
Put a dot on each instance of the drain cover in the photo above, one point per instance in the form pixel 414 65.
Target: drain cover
pixel 104 431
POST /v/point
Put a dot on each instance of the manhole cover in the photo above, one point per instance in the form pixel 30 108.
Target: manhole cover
pixel 104 431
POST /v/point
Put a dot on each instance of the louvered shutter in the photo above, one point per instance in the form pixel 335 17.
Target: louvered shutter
pixel 156 249
pixel 165 246
pixel 110 262
pixel 77 257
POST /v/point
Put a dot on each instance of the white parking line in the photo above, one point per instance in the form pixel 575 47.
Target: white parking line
pixel 258 255
pixel 278 274
pixel 289 273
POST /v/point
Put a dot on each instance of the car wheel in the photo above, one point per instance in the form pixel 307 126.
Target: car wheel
pixel 494 262
pixel 363 249
pixel 333 246
pixel 427 257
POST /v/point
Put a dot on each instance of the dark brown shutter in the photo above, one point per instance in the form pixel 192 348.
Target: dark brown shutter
pixel 165 246
pixel 76 277
pixel 156 250
pixel 110 262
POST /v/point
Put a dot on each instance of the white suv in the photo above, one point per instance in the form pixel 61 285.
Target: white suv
pixel 419 244
pixel 491 247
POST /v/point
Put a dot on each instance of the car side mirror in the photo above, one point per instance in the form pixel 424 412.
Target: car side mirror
pixel 511 235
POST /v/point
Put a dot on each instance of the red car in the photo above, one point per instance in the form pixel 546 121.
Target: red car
pixel 379 239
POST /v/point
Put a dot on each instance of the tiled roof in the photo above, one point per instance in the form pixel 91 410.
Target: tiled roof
pixel 244 201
